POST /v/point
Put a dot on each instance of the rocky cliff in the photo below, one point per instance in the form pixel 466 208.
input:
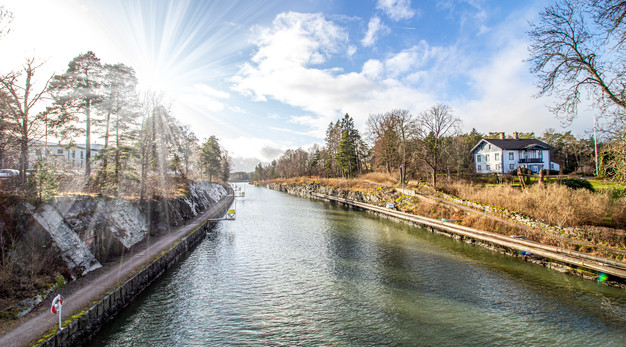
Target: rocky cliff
pixel 86 231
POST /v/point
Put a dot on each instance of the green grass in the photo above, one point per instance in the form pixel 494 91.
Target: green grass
pixel 606 185
pixel 615 189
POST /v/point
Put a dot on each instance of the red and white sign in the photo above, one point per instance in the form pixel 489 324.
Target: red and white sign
pixel 56 304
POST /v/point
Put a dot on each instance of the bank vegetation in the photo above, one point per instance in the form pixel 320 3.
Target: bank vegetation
pixel 551 213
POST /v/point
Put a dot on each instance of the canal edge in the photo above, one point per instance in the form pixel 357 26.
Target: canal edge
pixel 589 269
pixel 86 323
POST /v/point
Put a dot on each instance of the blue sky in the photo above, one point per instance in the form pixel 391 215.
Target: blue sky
pixel 265 76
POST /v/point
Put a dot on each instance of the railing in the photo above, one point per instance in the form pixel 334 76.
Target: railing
pixel 531 160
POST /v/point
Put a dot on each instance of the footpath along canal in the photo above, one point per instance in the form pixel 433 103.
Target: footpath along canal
pixel 293 271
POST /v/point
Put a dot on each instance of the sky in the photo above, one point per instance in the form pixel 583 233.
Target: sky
pixel 266 76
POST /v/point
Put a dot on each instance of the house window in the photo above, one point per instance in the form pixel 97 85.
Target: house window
pixel 497 167
pixel 73 154
pixel 479 168
pixel 511 166
pixel 511 156
pixel 489 146
pixel 486 157
pixel 497 156
pixel 60 151
pixel 487 168
pixel 478 158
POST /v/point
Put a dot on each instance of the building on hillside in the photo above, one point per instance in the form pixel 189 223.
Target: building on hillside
pixel 61 156
pixel 505 155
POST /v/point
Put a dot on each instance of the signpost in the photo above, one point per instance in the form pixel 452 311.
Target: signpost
pixel 57 306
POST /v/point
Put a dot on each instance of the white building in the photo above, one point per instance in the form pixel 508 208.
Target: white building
pixel 61 156
pixel 506 155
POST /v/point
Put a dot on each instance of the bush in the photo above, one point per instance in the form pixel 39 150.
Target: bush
pixel 576 183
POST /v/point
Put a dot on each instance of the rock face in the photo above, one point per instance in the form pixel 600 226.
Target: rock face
pixel 73 250
pixel 88 230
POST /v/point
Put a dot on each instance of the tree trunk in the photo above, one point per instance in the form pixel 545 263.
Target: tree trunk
pixel 105 156
pixel 117 156
pixel 88 140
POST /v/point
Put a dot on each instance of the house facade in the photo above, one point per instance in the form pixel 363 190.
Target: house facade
pixel 506 155
pixel 61 156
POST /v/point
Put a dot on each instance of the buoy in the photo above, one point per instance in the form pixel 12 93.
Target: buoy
pixel 57 307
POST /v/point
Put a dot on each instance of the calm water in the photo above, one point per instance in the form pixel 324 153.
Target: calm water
pixel 290 271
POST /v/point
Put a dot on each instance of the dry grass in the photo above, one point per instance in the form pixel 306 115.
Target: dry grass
pixel 555 204
pixel 383 178
pixel 352 184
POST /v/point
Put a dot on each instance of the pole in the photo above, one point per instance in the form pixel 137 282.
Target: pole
pixel 595 142
pixel 402 180
pixel 60 310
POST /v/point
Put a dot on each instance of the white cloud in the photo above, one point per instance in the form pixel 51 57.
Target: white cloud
pixel 253 147
pixel 396 9
pixel 351 50
pixel 373 69
pixel 281 70
pixel 204 97
pixel 209 91
pixel 408 59
pixel 375 29
pixel 299 39
pixel 237 109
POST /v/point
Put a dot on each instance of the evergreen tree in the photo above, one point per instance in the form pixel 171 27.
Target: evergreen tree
pixel 211 157
pixel 77 91
pixel 347 155
pixel 119 107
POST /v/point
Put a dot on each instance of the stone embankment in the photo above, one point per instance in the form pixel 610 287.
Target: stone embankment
pixel 566 261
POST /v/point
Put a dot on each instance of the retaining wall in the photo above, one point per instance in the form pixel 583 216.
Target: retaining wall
pixel 557 259
pixel 91 320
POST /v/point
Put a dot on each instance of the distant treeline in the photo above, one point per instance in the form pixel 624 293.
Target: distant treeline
pixel 424 145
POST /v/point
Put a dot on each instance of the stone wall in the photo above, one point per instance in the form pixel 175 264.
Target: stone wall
pixel 379 199
pixel 91 320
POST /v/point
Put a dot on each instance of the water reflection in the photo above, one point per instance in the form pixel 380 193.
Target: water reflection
pixel 298 272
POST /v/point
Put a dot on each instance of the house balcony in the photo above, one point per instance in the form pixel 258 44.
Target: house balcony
pixel 530 160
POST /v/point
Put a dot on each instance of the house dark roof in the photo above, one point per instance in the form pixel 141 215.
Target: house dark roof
pixel 514 144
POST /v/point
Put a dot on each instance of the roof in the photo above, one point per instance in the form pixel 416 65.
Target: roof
pixel 514 144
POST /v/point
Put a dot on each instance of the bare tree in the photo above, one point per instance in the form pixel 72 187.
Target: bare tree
pixel 434 125
pixel 390 134
pixel 611 14
pixel 19 99
pixel 569 54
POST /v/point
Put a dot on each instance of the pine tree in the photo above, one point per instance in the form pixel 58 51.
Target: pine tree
pixel 347 155
pixel 77 91
pixel 211 157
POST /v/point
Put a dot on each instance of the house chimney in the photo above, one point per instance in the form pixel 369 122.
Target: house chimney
pixel 502 136
pixel 515 136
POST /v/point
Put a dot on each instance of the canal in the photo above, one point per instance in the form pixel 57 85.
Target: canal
pixel 292 271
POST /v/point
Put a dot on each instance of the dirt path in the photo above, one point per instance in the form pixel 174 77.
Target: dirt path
pixel 33 326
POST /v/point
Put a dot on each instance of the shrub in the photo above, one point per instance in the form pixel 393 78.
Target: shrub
pixel 576 183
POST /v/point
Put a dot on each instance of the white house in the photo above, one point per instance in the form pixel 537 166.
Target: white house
pixel 61 155
pixel 506 155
